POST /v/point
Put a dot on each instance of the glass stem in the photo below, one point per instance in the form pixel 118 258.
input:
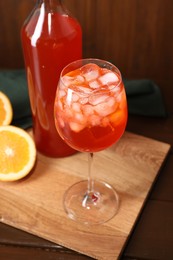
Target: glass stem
pixel 90 180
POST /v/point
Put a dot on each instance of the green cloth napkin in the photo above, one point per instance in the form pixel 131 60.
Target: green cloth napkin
pixel 143 96
pixel 13 84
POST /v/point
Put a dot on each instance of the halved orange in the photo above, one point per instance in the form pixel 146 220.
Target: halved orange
pixel 6 111
pixel 17 153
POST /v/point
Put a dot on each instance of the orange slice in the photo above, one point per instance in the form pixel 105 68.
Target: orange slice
pixel 6 111
pixel 17 153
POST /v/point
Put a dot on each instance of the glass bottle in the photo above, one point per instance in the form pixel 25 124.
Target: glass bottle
pixel 51 38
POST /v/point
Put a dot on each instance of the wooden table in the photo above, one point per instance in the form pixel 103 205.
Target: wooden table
pixel 152 237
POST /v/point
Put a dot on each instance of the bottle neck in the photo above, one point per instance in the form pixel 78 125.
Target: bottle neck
pixel 50 2
pixel 51 5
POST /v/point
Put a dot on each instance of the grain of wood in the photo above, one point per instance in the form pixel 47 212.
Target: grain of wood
pixel 34 204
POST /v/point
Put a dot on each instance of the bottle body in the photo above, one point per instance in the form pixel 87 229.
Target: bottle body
pixel 50 39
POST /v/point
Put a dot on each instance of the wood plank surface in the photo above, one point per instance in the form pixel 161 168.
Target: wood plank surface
pixel 34 204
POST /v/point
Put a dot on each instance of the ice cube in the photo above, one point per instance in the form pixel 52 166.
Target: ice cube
pixel 80 79
pixel 95 120
pixel 111 101
pixel 94 84
pixel 62 93
pixel 76 107
pixel 84 90
pixel 67 80
pixel 96 99
pixel 90 71
pixel 76 127
pixel 88 110
pixel 115 89
pixel 104 109
pixel 75 97
pixel 108 78
pixel 80 118
pixel 68 113
pixel 83 100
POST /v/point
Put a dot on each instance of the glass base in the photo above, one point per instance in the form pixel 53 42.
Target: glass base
pixel 91 208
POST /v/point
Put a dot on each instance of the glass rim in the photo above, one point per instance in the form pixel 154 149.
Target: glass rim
pixel 87 60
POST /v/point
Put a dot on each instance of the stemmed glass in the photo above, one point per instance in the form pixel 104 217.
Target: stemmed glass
pixel 90 115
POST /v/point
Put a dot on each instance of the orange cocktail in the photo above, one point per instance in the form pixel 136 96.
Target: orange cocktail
pixel 91 110
pixel 90 115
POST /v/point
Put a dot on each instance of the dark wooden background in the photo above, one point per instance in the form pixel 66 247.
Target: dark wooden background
pixel 136 35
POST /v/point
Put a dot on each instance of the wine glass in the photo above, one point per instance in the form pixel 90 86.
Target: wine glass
pixel 90 115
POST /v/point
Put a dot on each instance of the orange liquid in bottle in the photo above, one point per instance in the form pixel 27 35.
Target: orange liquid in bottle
pixel 50 41
pixel 93 122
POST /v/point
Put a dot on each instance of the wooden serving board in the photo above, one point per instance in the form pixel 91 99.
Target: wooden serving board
pixel 34 204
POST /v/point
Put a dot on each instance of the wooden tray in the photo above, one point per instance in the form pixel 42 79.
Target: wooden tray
pixel 34 204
